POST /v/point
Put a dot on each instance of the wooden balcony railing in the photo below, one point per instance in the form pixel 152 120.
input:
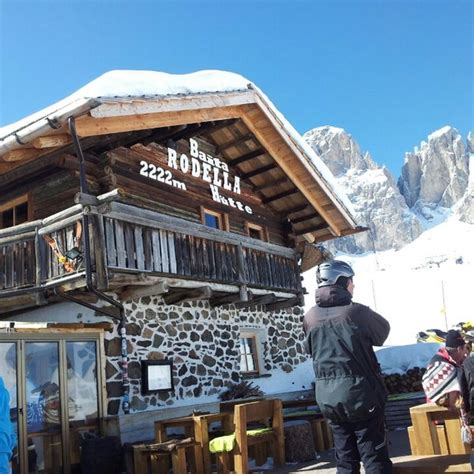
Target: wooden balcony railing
pixel 137 239
pixel 129 239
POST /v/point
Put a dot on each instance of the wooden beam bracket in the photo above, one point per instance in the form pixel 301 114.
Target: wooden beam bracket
pixel 177 296
pixel 312 228
pixel 247 157
pixel 279 196
pixel 257 300
pixel 263 169
pixel 283 304
pixel 224 299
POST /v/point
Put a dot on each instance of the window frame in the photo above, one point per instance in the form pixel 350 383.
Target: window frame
pixel 13 204
pixel 222 218
pixel 253 353
pixel 260 228
pixel 259 336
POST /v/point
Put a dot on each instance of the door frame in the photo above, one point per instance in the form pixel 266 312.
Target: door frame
pixel 61 336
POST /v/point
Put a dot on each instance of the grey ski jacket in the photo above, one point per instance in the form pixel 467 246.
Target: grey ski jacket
pixel 339 336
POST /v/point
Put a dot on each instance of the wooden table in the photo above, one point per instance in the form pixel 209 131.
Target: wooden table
pixel 197 427
pixel 424 437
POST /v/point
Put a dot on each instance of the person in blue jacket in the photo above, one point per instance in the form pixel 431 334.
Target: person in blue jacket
pixel 7 434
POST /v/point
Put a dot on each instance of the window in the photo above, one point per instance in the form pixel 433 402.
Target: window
pixel 216 220
pixel 256 231
pixel 14 212
pixel 252 350
pixel 248 354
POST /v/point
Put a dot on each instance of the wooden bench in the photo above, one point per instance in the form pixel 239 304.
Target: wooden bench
pixel 306 409
pixel 428 438
pixel 458 463
pixel 154 458
pixel 268 413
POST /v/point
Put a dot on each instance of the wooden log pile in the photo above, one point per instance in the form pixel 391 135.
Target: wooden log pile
pixel 410 381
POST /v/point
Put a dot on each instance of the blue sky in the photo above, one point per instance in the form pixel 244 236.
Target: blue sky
pixel 388 71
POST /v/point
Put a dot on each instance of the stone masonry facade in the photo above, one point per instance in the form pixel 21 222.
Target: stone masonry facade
pixel 203 344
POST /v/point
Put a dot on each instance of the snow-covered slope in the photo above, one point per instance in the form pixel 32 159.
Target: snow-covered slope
pixel 419 286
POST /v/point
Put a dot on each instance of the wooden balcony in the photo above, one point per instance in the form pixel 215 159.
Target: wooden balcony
pixel 128 243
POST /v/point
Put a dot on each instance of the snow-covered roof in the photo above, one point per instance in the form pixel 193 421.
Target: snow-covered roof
pixel 129 86
pixel 123 84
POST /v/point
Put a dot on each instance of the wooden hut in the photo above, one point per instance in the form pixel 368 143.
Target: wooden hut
pixel 151 235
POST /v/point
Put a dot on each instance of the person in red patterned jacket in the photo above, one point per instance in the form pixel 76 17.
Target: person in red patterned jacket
pixel 444 382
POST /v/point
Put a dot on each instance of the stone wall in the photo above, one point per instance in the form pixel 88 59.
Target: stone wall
pixel 203 343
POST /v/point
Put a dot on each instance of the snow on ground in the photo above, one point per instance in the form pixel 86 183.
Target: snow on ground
pixel 418 287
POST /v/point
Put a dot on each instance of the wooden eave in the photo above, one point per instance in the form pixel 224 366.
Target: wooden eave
pixel 262 150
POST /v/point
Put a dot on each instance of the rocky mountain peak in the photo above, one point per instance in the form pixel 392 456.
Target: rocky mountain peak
pixel 437 172
pixel 372 190
pixel 338 150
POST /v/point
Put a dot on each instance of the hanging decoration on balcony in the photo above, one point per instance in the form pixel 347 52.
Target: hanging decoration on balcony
pixel 69 259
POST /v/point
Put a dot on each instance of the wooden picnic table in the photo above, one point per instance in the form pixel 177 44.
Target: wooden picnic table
pixel 425 436
pixel 198 427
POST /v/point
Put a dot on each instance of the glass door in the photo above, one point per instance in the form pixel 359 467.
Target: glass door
pixel 55 399
pixel 43 408
pixel 83 400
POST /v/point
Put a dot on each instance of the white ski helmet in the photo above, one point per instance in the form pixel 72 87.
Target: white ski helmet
pixel 327 273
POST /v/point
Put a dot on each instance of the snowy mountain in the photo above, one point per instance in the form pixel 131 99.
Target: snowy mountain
pixel 421 275
pixel 437 173
pixel 375 197
pixel 434 178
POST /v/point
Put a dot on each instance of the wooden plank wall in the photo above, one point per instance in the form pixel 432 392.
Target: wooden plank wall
pixel 134 247
pixel 122 169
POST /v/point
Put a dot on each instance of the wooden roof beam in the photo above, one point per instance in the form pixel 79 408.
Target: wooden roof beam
pixel 312 228
pixel 90 126
pixel 225 299
pixel 20 154
pixel 258 300
pixel 270 132
pixel 272 184
pixel 234 142
pixel 52 141
pixel 263 169
pixel 295 209
pixel 283 304
pixel 298 220
pixel 281 195
pixel 247 157
pixel 176 296
pixel 199 128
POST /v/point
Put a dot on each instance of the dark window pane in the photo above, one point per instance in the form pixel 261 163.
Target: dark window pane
pixel 212 221
pixel 21 213
pixel 7 218
pixel 255 233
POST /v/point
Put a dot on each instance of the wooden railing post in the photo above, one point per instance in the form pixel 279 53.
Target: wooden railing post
pixel 242 274
pixel 39 258
pixel 99 253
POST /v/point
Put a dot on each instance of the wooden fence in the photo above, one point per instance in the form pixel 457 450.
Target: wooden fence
pixel 126 238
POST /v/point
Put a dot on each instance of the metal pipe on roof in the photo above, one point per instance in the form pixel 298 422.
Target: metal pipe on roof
pixel 25 131
pixel 88 274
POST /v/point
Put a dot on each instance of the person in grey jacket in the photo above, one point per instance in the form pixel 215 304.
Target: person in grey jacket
pixel 350 392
